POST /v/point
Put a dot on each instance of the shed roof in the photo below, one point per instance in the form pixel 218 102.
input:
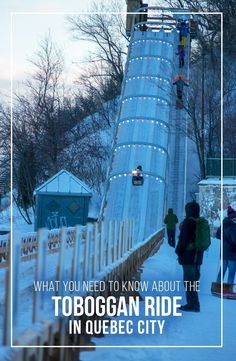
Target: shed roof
pixel 227 181
pixel 64 182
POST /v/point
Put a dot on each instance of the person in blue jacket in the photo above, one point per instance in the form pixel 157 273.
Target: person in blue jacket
pixel 183 33
pixel 180 83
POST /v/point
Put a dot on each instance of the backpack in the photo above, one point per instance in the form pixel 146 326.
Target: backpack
pixel 203 237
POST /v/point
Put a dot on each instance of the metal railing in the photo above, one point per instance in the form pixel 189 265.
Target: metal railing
pixel 213 167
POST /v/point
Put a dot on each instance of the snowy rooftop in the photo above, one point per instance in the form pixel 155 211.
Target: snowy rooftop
pixel 217 181
pixel 64 182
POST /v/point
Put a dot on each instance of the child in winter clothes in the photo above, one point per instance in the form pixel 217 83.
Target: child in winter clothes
pixel 229 245
pixel 180 83
pixel 183 32
pixel 181 54
pixel 171 220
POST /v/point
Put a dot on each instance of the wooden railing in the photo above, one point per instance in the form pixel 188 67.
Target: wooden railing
pixel 118 237
pixel 82 251
pixel 95 252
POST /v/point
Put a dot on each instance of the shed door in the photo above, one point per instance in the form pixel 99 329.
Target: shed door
pixel 57 211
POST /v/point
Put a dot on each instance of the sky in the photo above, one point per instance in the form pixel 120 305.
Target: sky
pixel 28 30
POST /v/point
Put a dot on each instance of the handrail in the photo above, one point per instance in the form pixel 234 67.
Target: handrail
pixel 147 174
pixel 148 57
pixel 148 97
pixel 145 144
pixel 143 119
pixel 161 8
pixel 138 24
pixel 153 40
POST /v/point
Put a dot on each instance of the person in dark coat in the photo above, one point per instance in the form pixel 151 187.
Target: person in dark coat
pixel 180 83
pixel 229 245
pixel 181 54
pixel 190 260
pixel 171 220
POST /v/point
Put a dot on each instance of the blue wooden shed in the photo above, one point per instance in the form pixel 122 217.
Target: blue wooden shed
pixel 62 200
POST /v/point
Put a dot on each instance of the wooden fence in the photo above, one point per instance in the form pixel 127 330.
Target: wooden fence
pixel 94 252
pixel 112 241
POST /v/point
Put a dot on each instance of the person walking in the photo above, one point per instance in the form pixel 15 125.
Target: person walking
pixel 180 83
pixel 181 54
pixel 229 253
pixel 171 220
pixel 183 33
pixel 194 238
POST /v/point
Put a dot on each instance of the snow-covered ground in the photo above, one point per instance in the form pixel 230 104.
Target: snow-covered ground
pixel 198 329
pixel 19 223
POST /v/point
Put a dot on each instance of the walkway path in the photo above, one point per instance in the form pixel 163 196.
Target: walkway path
pixel 202 328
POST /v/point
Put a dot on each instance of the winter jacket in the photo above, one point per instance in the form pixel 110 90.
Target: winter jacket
pixel 181 52
pixel 184 30
pixel 187 235
pixel 170 219
pixel 180 84
pixel 229 239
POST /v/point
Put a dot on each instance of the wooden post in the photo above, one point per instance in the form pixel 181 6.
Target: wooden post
pixel 7 310
pixel 106 240
pixel 61 263
pixel 132 234
pixel 129 223
pixel 110 242
pixel 115 243
pixel 40 269
pixel 100 248
pixel 120 239
pixel 127 236
pixel 16 248
pixel 126 232
pixel 86 253
pixel 93 252
pixel 76 257
pixel 89 251
pixel 124 236
pixel 96 249
pixel 62 339
pixel 102 242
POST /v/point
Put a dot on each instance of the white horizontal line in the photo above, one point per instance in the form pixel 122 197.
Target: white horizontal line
pixel 106 13
pixel 121 346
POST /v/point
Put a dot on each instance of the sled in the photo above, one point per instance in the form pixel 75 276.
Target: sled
pixel 179 103
pixel 229 296
pixel 137 180
pixel 227 290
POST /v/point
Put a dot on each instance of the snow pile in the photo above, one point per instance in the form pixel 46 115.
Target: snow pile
pixel 18 221
pixel 210 199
